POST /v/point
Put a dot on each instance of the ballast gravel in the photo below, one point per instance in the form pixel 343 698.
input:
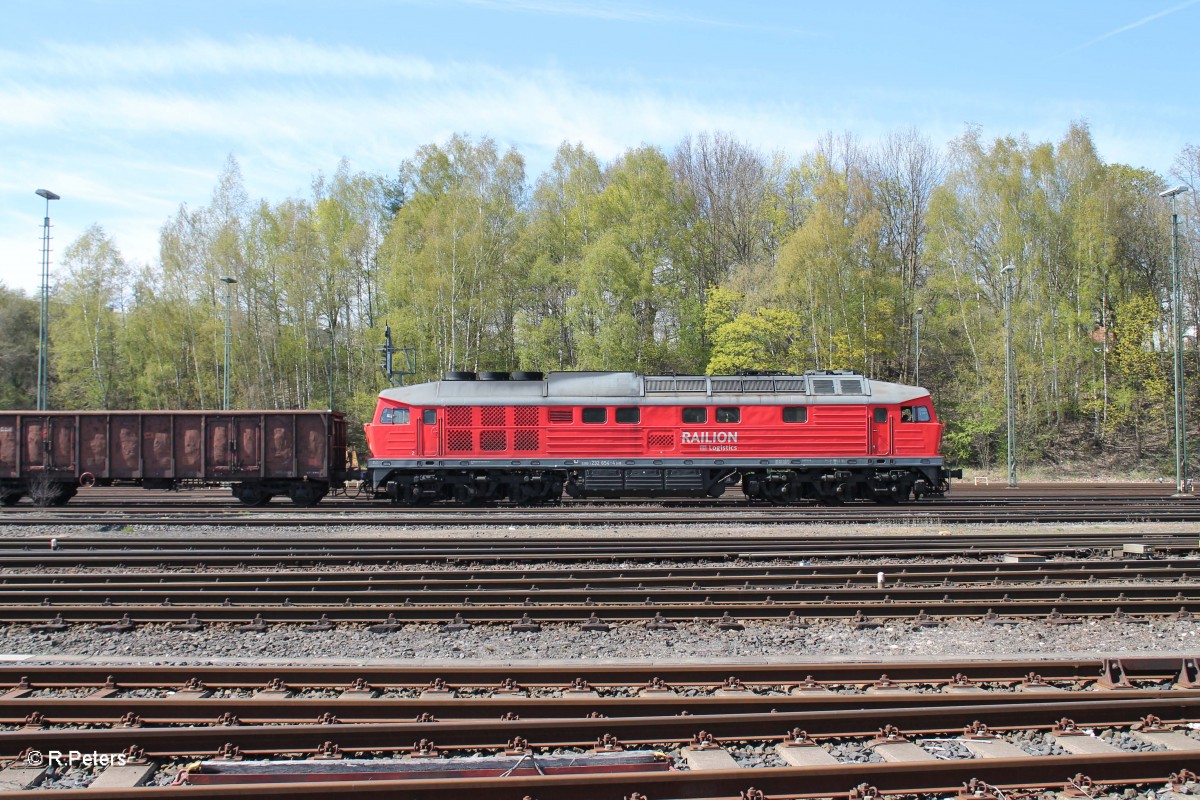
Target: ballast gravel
pixel 959 639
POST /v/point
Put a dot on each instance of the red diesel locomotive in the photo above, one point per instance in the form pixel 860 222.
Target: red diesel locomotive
pixel 825 436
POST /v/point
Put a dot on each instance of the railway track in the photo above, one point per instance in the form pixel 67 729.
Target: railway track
pixel 392 548
pixel 1033 503
pixel 785 730
pixel 1056 592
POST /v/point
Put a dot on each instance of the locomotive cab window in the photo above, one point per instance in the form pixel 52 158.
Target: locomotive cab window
pixel 394 416
pixel 595 416
pixel 695 416
pixel 914 414
pixel 429 416
pixel 725 414
pixel 795 414
pixel 881 415
pixel 629 416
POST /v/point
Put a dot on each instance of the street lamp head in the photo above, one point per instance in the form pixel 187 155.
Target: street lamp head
pixel 1177 190
pixel 46 193
pixel 227 279
pixel 1007 269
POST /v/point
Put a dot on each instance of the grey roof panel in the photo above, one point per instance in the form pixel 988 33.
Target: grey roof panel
pixel 626 388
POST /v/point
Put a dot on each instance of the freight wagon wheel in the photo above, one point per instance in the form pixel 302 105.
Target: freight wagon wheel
pixel 305 495
pixel 252 496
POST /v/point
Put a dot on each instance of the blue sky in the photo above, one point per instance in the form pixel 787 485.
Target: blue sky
pixel 128 109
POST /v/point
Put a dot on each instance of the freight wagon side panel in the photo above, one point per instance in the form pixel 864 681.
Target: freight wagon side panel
pixel 93 444
pixel 280 457
pixel 9 446
pixel 158 459
pixel 188 445
pixel 314 441
pixel 125 447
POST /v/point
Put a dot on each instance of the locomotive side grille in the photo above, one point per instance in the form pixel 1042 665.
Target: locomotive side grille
pixel 662 440
pixel 690 384
pixel 660 384
pixel 458 441
pixel 459 417
pixel 525 440
pixel 823 386
pixel 790 385
pixel 492 416
pixel 525 416
pixel 560 415
pixel 493 440
pixel 727 385
pixel 850 386
pixel 758 385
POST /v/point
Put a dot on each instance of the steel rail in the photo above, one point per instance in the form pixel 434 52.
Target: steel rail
pixel 824 576
pixel 478 734
pixel 777 783
pixel 216 591
pixel 1167 511
pixel 433 613
pixel 185 710
pixel 418 675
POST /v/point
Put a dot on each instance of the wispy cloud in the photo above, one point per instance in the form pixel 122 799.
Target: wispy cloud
pixel 620 12
pixel 1137 24
pixel 257 55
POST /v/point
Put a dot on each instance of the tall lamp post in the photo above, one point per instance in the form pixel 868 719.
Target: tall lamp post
pixel 43 372
pixel 1177 324
pixel 917 325
pixel 1009 382
pixel 229 282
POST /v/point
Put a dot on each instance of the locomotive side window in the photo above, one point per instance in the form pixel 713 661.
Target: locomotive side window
pixel 914 414
pixel 629 416
pixel 695 416
pixel 394 416
pixel 429 416
pixel 881 415
pixel 795 414
pixel 595 416
pixel 729 414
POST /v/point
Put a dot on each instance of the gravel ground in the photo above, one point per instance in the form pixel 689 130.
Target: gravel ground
pixel 828 639
pixel 532 533
pixel 824 640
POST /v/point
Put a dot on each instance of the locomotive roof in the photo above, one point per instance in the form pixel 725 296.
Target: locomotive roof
pixel 630 388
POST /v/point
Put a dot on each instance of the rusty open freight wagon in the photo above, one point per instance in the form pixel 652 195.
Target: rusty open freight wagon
pixel 49 456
